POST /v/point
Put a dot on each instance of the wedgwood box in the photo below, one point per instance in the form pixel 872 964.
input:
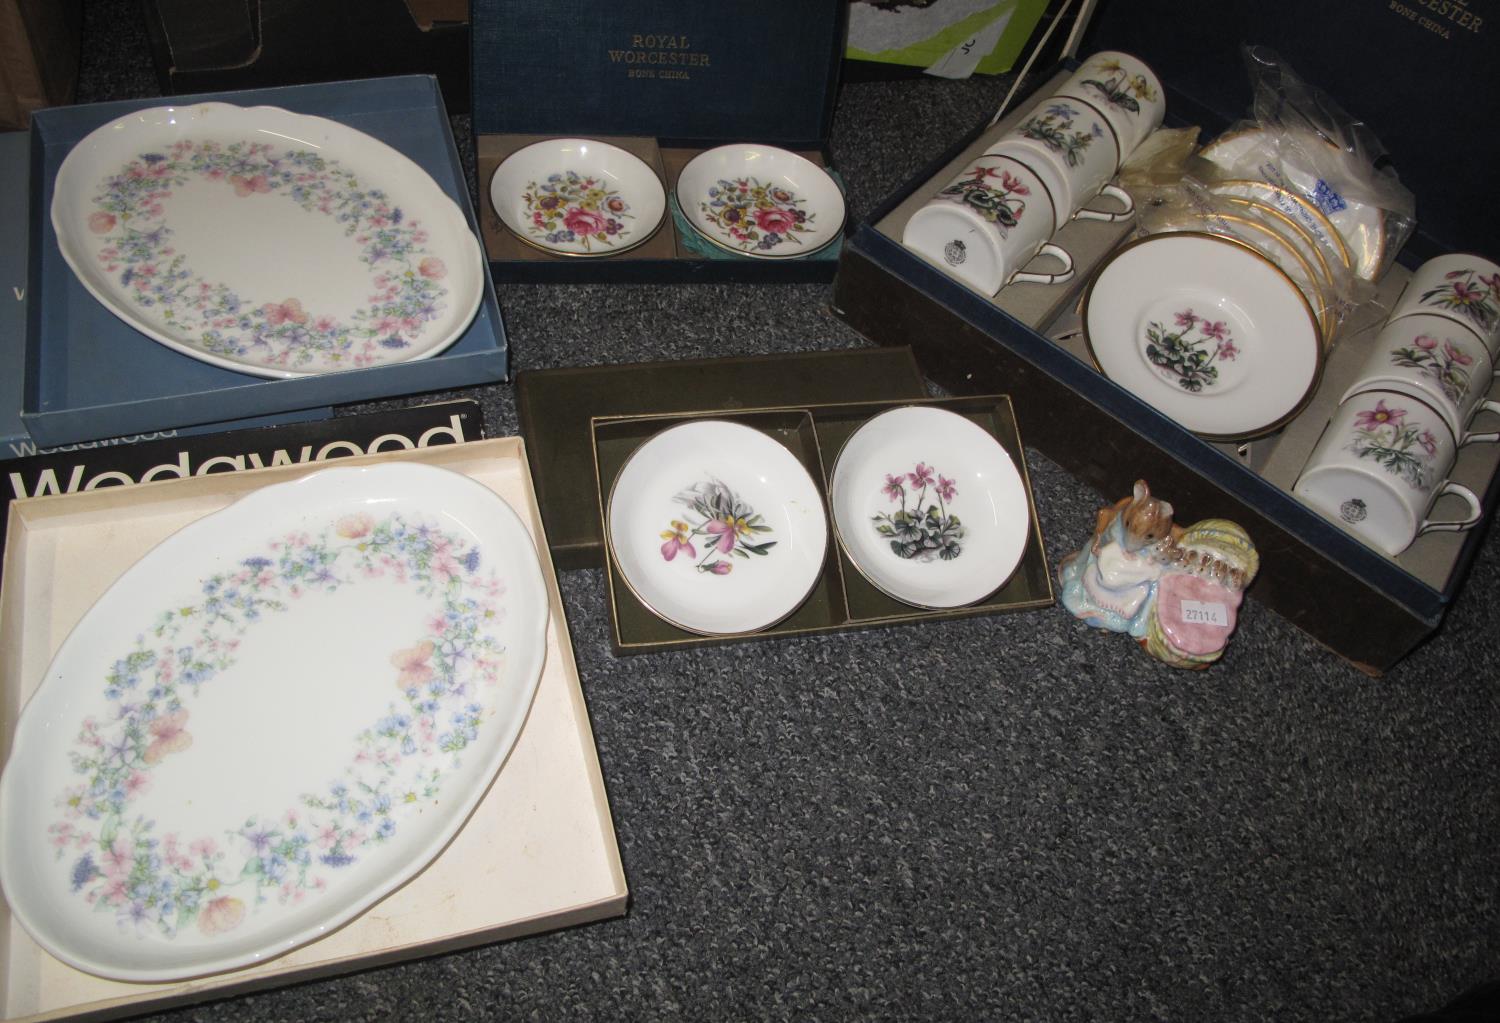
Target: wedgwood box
pixel 1369 608
pixel 89 375
pixel 664 83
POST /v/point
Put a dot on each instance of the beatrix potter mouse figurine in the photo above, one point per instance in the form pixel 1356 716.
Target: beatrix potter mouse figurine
pixel 1176 591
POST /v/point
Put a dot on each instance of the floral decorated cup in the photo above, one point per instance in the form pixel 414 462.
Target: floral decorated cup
pixel 1380 466
pixel 1464 288
pixel 1073 148
pixel 1431 358
pixel 1124 90
pixel 987 224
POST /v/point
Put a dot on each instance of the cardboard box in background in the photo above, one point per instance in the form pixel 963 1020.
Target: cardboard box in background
pixel 39 43
pixel 215 45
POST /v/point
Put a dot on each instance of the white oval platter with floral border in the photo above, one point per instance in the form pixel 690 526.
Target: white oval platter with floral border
pixel 276 717
pixel 268 242
pixel 578 197
pixel 761 201
pixel 717 527
pixel 929 507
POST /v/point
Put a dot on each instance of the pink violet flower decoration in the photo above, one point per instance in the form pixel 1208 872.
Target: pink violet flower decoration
pixel 1186 318
pixel 1379 416
pixel 101 222
pixel 244 186
pixel 168 736
pixel 728 530
pixel 1428 442
pixel 432 268
pixel 582 221
pixel 413 666
pixel 1227 349
pixel 1214 329
pixel 720 568
pixel 1425 342
pixel 921 476
pixel 289 311
pixel 220 915
pixel 1457 354
pixel 946 488
pixel 677 539
pixel 893 488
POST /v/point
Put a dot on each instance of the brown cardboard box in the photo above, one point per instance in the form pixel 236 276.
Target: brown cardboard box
pixel 38 56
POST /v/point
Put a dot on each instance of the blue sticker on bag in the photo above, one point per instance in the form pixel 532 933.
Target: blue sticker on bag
pixel 1327 199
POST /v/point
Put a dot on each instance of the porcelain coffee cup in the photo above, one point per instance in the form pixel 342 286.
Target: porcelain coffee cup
pixel 1382 463
pixel 1432 358
pixel 1069 191
pixel 987 224
pixel 1125 90
pixel 1464 288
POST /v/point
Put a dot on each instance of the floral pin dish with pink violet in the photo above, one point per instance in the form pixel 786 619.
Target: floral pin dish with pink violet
pixel 578 197
pixel 761 201
pixel 271 721
pixel 267 242
pixel 717 528
pixel 1205 329
pixel 929 507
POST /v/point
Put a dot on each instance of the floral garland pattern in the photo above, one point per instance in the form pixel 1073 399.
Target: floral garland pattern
pixel 1469 293
pixel 997 201
pixel 169 882
pixel 727 523
pixel 1448 368
pixel 570 207
pixel 1183 357
pixel 1403 449
pixel 1053 128
pixel 756 216
pixel 1119 87
pixel 921 534
pixel 137 245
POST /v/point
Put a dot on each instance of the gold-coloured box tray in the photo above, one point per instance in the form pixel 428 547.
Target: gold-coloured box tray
pixel 842 598
pixel 538 853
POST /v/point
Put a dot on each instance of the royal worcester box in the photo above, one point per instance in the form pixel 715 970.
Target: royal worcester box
pixel 664 84
pixel 1368 607
pixel 89 375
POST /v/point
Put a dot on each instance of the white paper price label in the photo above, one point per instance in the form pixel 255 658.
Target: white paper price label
pixel 1197 613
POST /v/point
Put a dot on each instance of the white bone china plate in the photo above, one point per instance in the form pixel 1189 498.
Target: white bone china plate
pixel 268 242
pixel 761 201
pixel 275 718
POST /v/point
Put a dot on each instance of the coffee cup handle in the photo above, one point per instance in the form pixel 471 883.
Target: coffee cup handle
pixel 1114 192
pixel 1488 405
pixel 1056 251
pixel 1455 525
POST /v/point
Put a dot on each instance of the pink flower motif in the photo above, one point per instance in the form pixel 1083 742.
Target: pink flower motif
pixel 1186 318
pixel 1428 442
pixel 432 268
pixel 1492 281
pixel 921 476
pixel 1466 294
pixel 677 539
pixel 204 848
pixel 946 488
pixel 1227 350
pixel 1457 354
pixel 412 662
pixel 893 488
pixel 1214 329
pixel 727 531
pixel 720 568
pixel 101 222
pixel 1379 416
pixel 352 527
pixel 222 914
pixel 1010 183
pixel 244 186
pixel 775 221
pixel 169 736
pixel 581 221
pixel 1425 342
pixel 289 311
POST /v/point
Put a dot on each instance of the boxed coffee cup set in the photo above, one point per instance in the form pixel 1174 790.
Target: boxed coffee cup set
pixel 1110 419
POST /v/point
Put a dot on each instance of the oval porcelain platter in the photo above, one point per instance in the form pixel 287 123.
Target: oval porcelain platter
pixel 929 507
pixel 267 242
pixel 578 197
pixel 761 201
pixel 276 717
pixel 1205 329
pixel 717 528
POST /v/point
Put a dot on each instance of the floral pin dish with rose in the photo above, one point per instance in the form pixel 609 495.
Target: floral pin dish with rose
pixel 760 201
pixel 205 228
pixel 578 197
